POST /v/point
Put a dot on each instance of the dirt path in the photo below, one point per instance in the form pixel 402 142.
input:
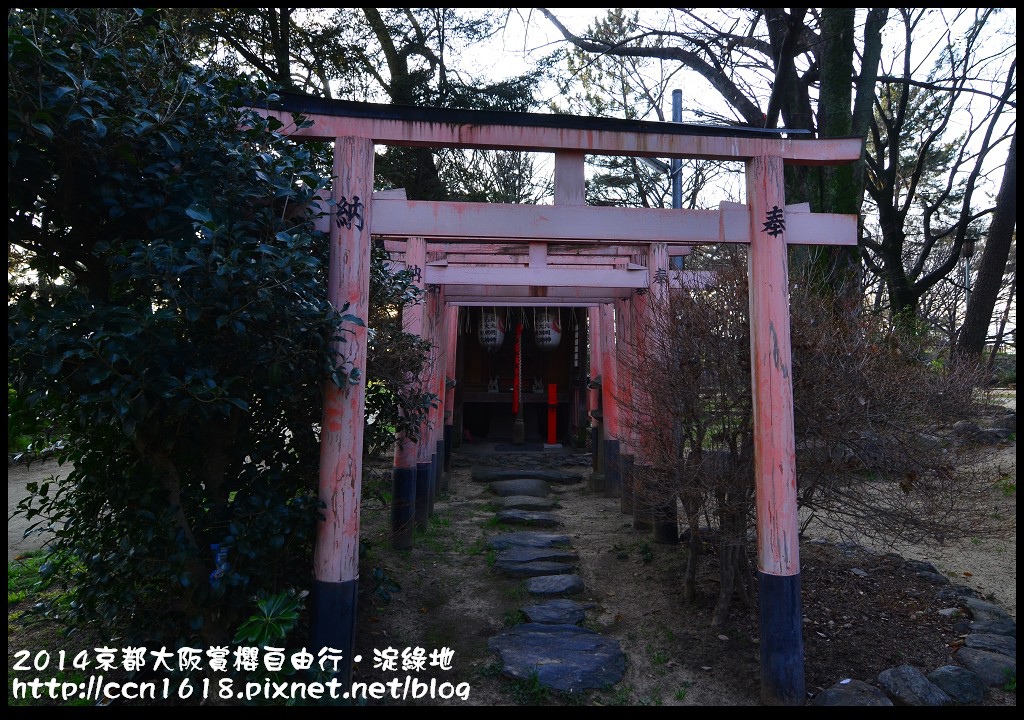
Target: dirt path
pixel 444 592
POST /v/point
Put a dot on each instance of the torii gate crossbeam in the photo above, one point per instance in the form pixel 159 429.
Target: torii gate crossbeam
pixel 764 224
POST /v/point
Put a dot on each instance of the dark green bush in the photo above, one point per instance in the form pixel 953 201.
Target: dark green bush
pixel 182 333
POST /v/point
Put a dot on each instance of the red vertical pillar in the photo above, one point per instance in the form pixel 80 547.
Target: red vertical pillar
pixel 425 447
pixel 624 327
pixel 594 399
pixel 518 426
pixel 552 414
pixel 594 340
pixel 778 547
pixel 403 476
pixel 452 325
pixel 336 553
pixel 610 401
pixel 437 415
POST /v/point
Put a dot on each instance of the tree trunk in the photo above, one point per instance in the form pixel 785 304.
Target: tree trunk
pixel 1003 319
pixel 842 187
pixel 993 262
pixel 727 574
pixel 693 551
pixel 733 566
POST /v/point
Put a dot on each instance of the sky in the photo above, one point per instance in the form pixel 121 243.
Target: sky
pixel 528 35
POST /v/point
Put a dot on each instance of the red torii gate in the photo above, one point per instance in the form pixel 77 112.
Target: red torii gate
pixel 462 237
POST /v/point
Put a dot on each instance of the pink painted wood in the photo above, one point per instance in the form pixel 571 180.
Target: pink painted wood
pixel 452 326
pixel 425 448
pixel 519 247
pixel 778 543
pixel 440 368
pixel 508 300
pixel 595 339
pixel 609 373
pixel 412 323
pixel 510 260
pixel 336 552
pixel 610 142
pixel 623 363
pixel 570 178
pixel 535 276
pixel 565 224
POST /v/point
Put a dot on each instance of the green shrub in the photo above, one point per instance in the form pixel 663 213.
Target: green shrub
pixel 183 344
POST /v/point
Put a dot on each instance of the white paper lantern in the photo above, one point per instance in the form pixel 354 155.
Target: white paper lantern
pixel 492 331
pixel 547 332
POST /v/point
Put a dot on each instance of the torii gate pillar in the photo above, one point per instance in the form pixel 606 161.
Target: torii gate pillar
pixel 438 373
pixel 623 349
pixel 336 554
pixel 609 401
pixel 451 348
pixel 426 448
pixel 778 545
pixel 403 478
pixel 594 337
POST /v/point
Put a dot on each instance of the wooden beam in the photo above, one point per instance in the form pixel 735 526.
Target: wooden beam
pixel 460 293
pixel 534 277
pixel 595 225
pixel 570 178
pixel 455 259
pixel 588 224
pixel 511 301
pixel 538 255
pixel 551 139
pixel 678 279
pixel 555 249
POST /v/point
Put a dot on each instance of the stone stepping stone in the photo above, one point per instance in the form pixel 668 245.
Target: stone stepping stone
pixel 511 488
pixel 907 685
pixel 991 667
pixel 526 502
pixel 521 554
pixel 563 657
pixel 996 627
pixel 555 585
pixel 849 693
pixel 983 610
pixel 965 687
pixel 526 517
pixel 555 612
pixel 553 476
pixel 527 539
pixel 532 569
pixel 1002 644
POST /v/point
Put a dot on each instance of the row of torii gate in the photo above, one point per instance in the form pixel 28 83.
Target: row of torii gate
pixel 565 254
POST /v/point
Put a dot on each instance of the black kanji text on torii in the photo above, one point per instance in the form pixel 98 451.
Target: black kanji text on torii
pixel 350 213
pixel 775 224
